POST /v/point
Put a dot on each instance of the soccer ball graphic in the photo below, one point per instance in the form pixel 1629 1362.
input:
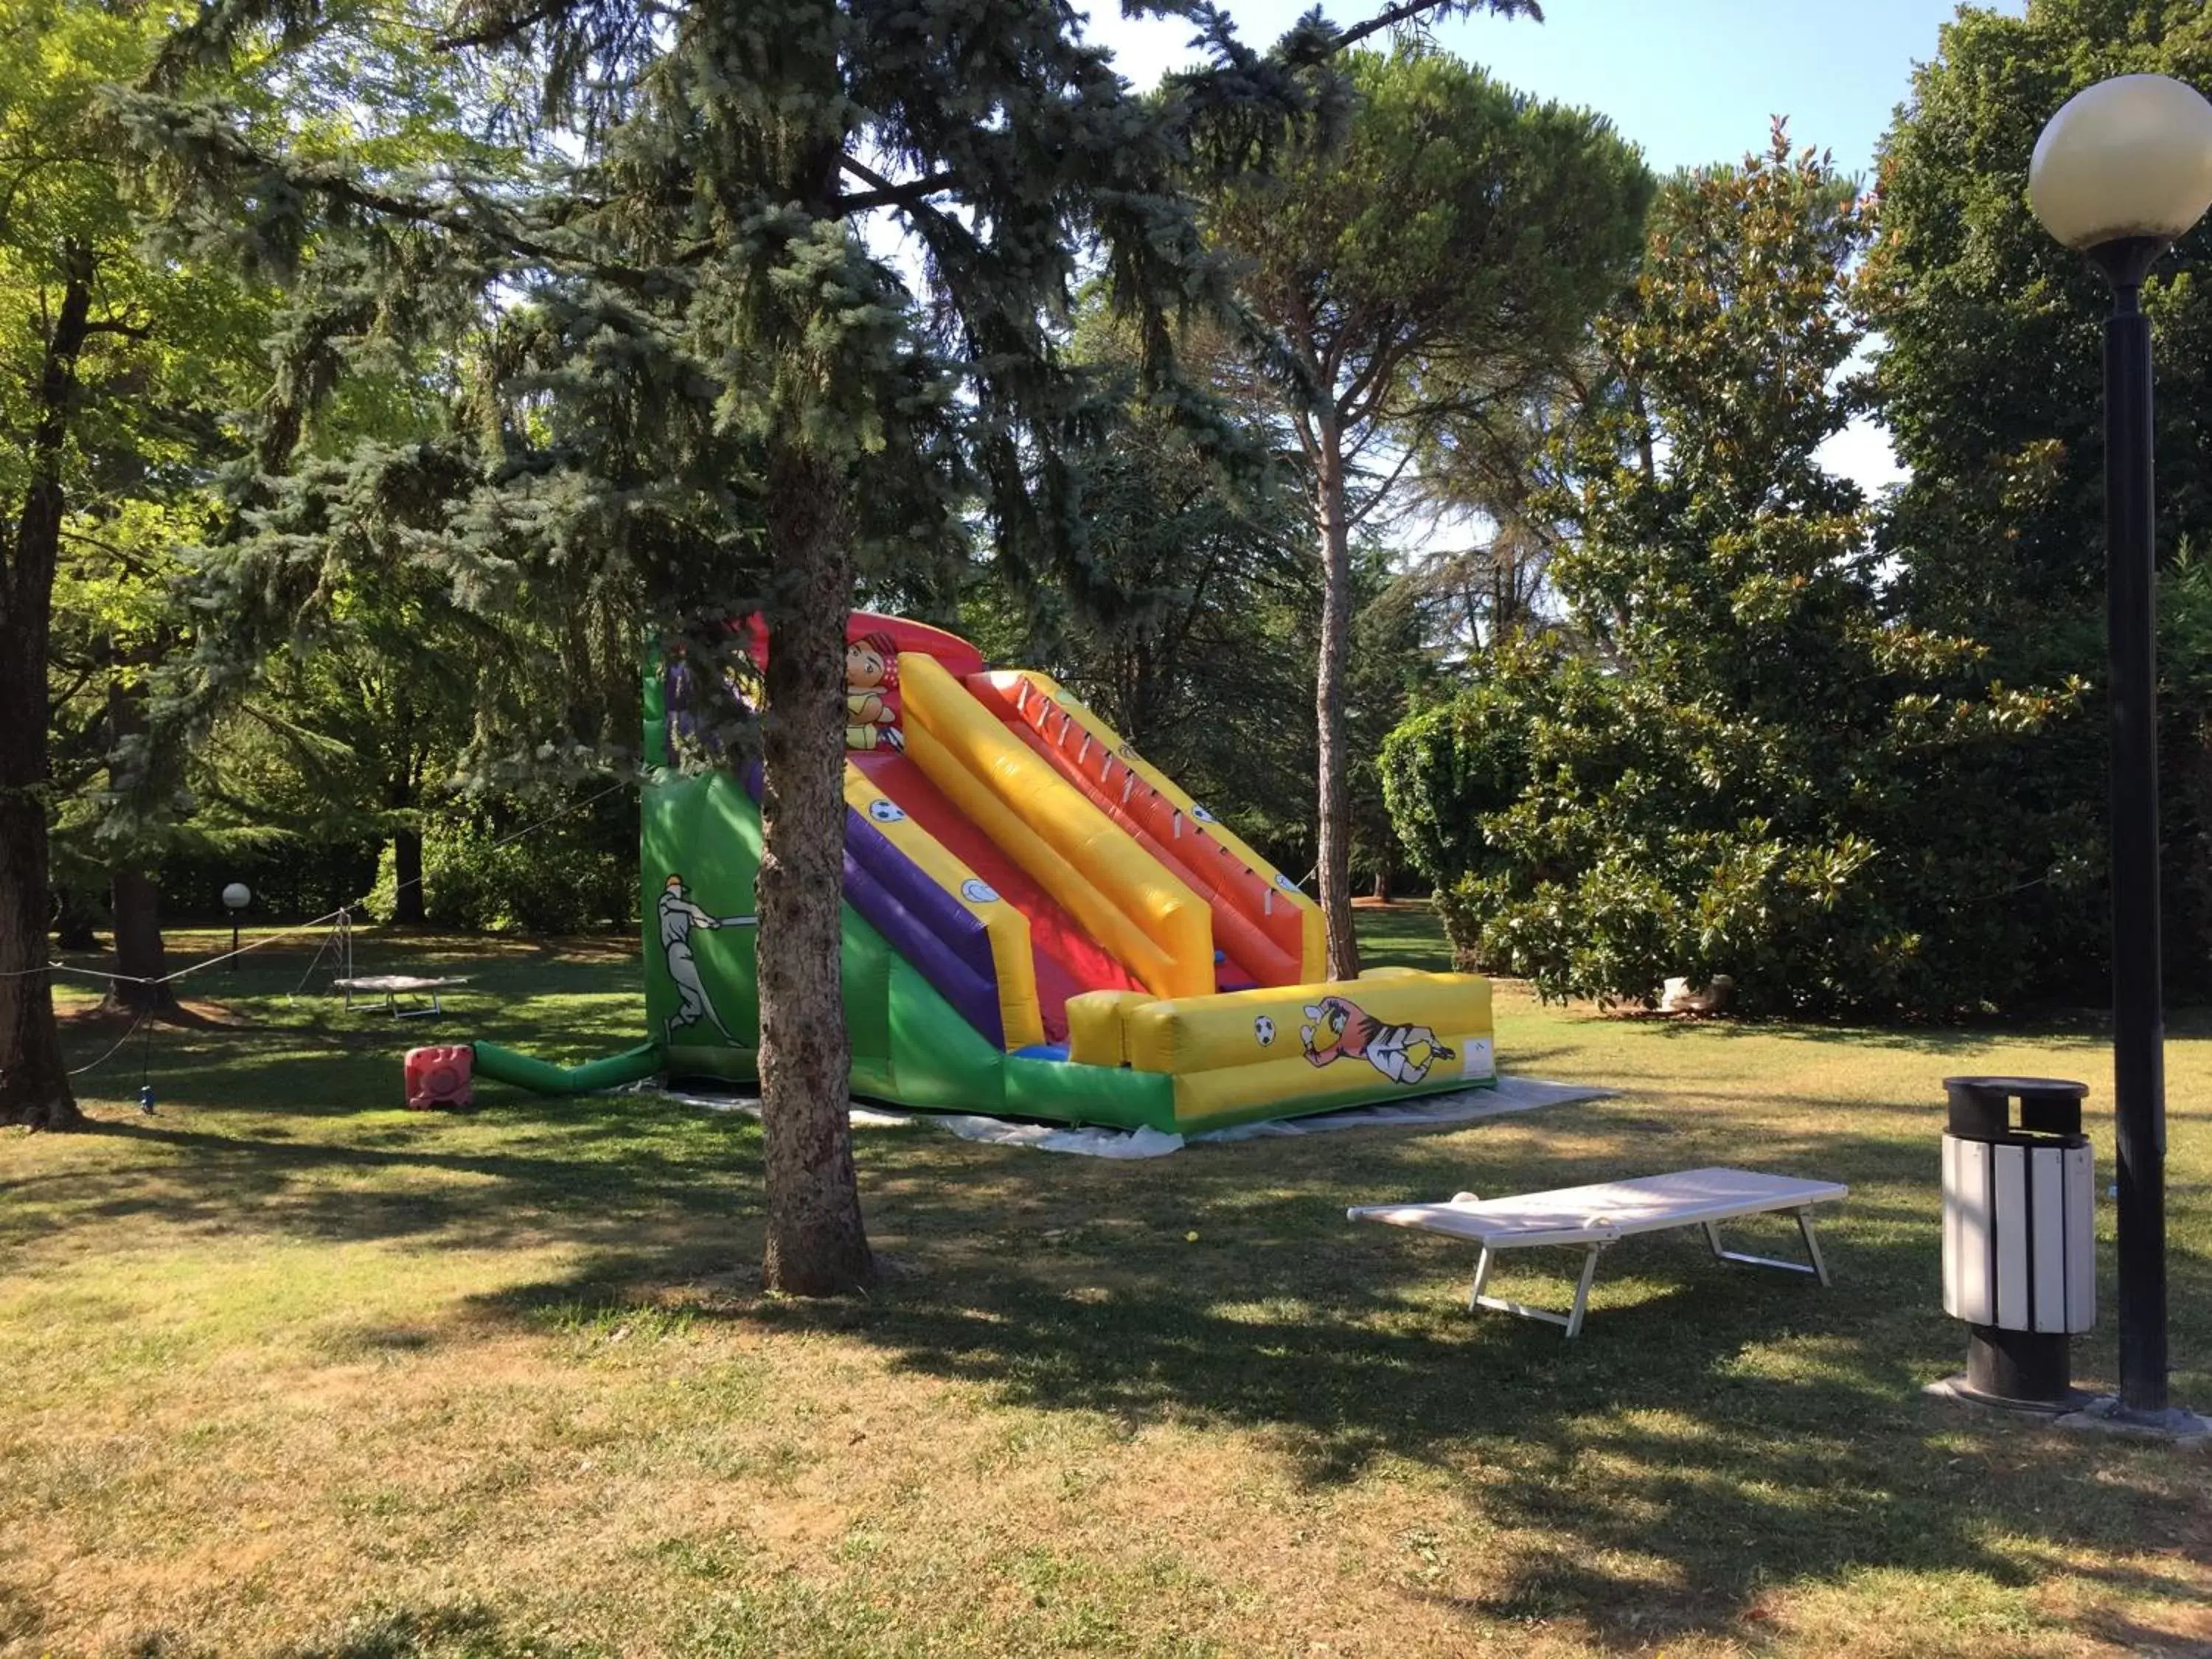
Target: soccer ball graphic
pixel 1264 1028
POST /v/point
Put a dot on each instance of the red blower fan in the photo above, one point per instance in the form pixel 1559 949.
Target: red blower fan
pixel 440 1076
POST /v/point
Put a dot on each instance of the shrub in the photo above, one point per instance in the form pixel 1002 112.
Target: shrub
pixel 293 878
pixel 1446 770
pixel 572 876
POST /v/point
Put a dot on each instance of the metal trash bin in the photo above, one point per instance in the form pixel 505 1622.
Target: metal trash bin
pixel 2020 1263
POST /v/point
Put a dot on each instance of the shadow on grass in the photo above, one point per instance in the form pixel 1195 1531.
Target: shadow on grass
pixel 465 1630
pixel 1716 1431
pixel 588 1177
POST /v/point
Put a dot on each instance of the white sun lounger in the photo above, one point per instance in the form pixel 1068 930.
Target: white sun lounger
pixel 1595 1217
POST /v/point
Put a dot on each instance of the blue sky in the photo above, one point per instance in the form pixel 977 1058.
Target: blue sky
pixel 1690 80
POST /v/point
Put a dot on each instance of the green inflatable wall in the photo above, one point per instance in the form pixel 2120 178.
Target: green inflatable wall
pixel 910 1046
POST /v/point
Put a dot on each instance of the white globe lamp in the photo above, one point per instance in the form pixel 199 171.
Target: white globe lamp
pixel 235 898
pixel 2127 160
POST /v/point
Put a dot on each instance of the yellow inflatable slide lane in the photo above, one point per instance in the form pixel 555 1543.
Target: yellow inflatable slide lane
pixel 1150 921
pixel 1286 1049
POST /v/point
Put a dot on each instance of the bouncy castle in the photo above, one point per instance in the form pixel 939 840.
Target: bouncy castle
pixel 1037 923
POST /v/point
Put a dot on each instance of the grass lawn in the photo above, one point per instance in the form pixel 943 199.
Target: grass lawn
pixel 290 1370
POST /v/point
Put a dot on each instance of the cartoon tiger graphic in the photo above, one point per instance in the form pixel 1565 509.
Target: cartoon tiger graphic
pixel 1342 1030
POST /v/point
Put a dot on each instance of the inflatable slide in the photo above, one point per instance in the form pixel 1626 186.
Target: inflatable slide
pixel 1037 923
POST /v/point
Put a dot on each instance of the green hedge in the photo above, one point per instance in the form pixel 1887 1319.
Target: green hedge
pixel 292 880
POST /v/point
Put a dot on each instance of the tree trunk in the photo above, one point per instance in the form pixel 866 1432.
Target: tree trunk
pixel 74 922
pixel 409 907
pixel 141 961
pixel 1335 803
pixel 1381 893
pixel 34 1085
pixel 816 1245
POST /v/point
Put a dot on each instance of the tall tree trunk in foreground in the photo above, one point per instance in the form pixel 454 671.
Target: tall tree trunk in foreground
pixel 34 1085
pixel 816 1245
pixel 141 960
pixel 1335 803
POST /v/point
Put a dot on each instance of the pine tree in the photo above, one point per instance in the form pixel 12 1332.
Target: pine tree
pixel 706 366
pixel 1448 256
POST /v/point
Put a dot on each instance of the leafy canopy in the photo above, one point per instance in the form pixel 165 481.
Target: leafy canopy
pixel 1749 774
pixel 1990 382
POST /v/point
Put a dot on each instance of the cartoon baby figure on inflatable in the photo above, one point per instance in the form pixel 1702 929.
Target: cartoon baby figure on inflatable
pixel 871 677
pixel 1343 1030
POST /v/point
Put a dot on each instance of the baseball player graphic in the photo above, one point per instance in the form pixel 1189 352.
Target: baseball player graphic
pixel 679 916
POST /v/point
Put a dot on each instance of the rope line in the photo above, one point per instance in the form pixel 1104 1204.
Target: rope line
pixel 79 1070
pixel 190 968
pixel 344 911
pixel 304 928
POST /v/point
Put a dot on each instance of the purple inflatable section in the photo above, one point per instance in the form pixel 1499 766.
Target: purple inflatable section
pixel 924 923
pixel 927 925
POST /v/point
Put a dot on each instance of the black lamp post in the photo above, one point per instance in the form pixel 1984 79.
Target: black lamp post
pixel 2119 173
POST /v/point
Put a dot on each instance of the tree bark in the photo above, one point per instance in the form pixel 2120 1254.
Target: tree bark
pixel 816 1245
pixel 34 1085
pixel 1335 803
pixel 141 960
pixel 74 918
pixel 409 907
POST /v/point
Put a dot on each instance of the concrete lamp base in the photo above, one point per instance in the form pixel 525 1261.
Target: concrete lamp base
pixel 2176 1426
pixel 1961 1388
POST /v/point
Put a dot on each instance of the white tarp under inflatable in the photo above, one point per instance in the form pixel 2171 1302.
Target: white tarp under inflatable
pixel 1510 1094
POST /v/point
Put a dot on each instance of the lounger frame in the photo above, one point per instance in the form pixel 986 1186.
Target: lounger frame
pixel 393 987
pixel 1782 1196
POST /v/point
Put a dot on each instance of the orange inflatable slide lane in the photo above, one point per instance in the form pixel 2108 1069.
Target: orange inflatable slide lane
pixel 1146 919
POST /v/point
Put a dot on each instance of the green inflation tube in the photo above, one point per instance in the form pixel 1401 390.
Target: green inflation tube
pixel 540 1076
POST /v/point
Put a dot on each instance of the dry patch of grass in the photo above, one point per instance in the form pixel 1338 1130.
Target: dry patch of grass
pixel 293 1372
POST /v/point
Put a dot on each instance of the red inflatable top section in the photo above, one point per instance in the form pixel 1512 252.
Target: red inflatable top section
pixel 957 657
pixel 888 636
